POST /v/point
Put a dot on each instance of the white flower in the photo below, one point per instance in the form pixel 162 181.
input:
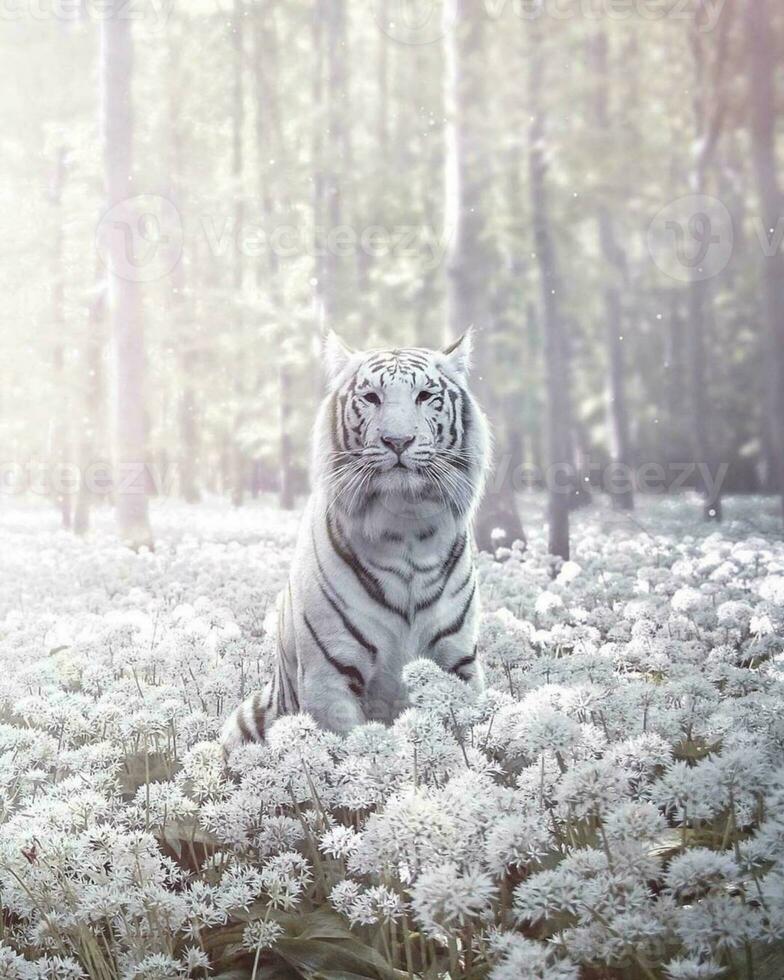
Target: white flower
pixel 515 841
pixel 278 833
pixel 15 967
pixel 195 959
pixel 362 911
pixel 388 904
pixel 442 898
pixel 687 599
pixel 412 832
pixel 568 573
pixel 717 923
pixel 339 842
pixel 284 878
pixel 761 625
pixel 699 870
pixel 261 934
pixel 593 787
pixel 772 589
pixel 156 966
pixel 693 969
pixel 344 894
pixel 523 958
pixel 634 821
pixel 547 893
pixel 548 603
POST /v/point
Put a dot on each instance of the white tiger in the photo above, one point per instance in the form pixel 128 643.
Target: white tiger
pixel 383 570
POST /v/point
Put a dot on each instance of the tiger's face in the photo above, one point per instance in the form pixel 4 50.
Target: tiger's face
pixel 403 421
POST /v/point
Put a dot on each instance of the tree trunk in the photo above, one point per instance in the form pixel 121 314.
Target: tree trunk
pixel 239 462
pixel 286 450
pixel 532 401
pixel 60 435
pixel 560 477
pixel 762 69
pixel 124 296
pixel 709 121
pixel 93 398
pixel 317 167
pixel 271 146
pixel 182 320
pixel 675 372
pixel 695 341
pixel 614 273
pixel 337 155
pixel 468 265
pixel 382 118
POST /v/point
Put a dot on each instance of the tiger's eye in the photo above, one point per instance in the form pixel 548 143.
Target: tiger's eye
pixel 423 396
pixel 372 398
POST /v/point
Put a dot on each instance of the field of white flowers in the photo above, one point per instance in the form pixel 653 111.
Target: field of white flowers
pixel 611 807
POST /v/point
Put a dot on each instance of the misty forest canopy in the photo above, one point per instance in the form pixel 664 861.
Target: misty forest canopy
pixel 595 189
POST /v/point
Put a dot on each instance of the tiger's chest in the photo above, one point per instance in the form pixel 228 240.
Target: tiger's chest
pixel 419 574
pixel 378 601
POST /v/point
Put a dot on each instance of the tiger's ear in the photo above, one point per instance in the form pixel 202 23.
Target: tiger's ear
pixel 337 354
pixel 458 354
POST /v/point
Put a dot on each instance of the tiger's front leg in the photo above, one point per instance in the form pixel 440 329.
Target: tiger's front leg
pixel 335 680
pixel 454 645
pixel 329 688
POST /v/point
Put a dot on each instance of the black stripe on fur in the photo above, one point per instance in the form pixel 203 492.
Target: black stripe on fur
pixel 366 579
pixel 354 676
pixel 457 624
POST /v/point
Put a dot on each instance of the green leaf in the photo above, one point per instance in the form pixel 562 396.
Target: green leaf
pixel 324 925
pixel 343 958
pixel 187 842
pixel 139 767
pixel 271 971
pixel 768 961
pixel 332 975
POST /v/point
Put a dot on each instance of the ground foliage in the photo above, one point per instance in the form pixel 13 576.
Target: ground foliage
pixel 610 807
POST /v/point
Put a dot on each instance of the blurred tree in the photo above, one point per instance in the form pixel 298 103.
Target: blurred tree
pixel 183 327
pixel 560 465
pixel 615 277
pixel 469 268
pixel 762 68
pixel 240 474
pixel 709 117
pixel 93 397
pixel 124 298
pixel 60 435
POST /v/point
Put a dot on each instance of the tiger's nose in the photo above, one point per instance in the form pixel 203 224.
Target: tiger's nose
pixel 397 445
